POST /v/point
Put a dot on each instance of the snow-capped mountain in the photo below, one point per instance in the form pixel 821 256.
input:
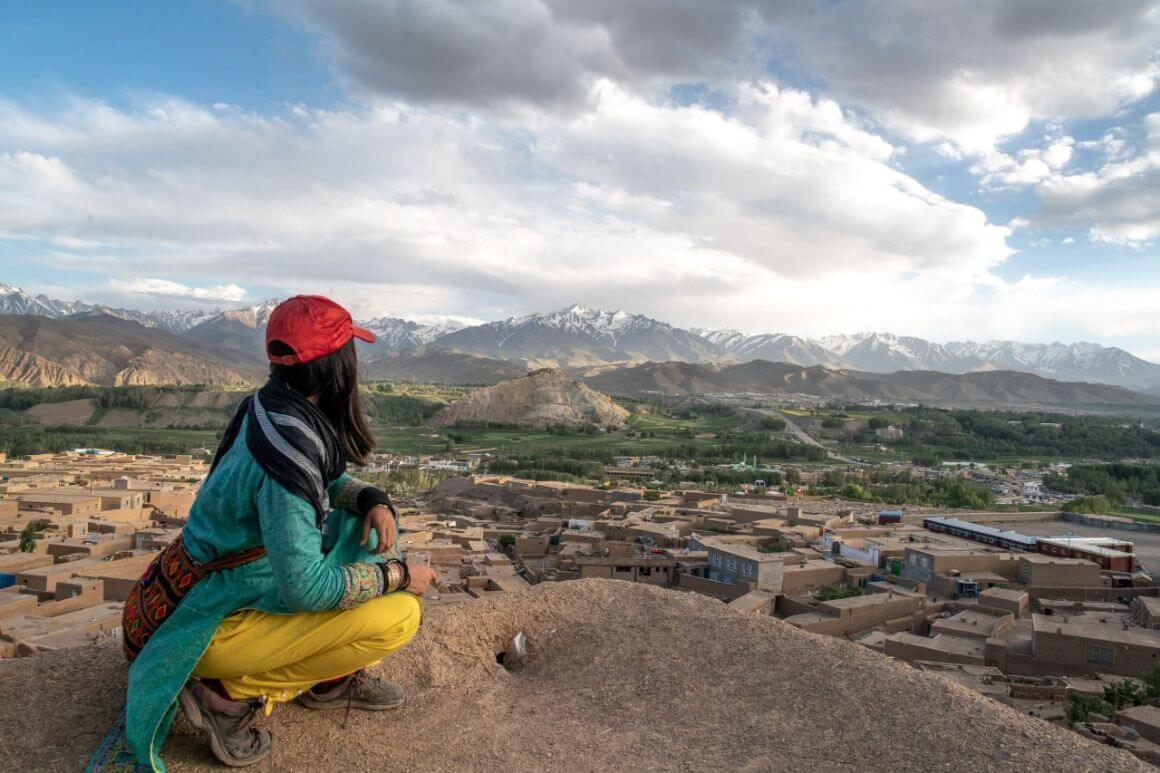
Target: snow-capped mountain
pixel 887 353
pixel 13 300
pixel 1081 361
pixel 775 347
pixel 397 335
pixel 579 335
pixel 582 335
pixel 239 331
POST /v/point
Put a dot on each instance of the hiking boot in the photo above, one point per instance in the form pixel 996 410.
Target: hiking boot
pixel 229 724
pixel 358 691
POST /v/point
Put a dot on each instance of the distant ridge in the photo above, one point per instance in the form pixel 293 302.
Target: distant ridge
pixel 994 388
pixel 578 335
pixel 97 348
pixel 440 367
pixel 582 336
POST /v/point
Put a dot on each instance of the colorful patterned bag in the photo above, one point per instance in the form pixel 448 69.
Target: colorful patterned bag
pixel 166 581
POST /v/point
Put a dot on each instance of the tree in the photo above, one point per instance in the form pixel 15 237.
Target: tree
pixel 773 423
pixel 1097 505
pixel 833 592
pixel 1079 706
pixel 1123 693
pixel 28 538
pixel 1152 682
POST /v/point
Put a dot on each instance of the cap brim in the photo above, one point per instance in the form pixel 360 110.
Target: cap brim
pixel 362 334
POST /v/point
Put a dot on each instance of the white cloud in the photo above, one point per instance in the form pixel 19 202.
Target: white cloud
pixel 432 211
pixel 786 214
pixel 964 74
pixel 1120 199
pixel 1028 166
pixel 165 288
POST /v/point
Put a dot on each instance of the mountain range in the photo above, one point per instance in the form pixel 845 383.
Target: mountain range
pixel 987 388
pixel 579 337
pixel 98 348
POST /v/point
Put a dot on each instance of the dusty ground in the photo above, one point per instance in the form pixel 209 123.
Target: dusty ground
pixel 621 676
pixel 68 412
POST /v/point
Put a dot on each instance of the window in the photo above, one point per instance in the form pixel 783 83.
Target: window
pixel 747 569
pixel 715 559
pixel 1099 656
pixel 731 564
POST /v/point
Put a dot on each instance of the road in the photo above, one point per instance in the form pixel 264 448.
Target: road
pixel 804 436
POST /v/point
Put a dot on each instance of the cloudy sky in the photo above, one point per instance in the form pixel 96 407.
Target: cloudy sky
pixel 963 169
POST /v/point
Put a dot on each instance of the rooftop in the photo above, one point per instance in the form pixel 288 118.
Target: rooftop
pixel 986 531
pixel 1084 628
pixel 1035 558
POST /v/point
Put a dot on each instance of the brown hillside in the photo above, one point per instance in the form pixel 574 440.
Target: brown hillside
pixel 620 676
pixel 441 367
pixel 537 400
pixel 992 388
pixel 110 351
pixel 19 367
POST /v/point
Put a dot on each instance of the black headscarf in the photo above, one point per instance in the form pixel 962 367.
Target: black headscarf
pixel 291 439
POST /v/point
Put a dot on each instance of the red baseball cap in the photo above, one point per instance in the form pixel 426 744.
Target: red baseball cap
pixel 312 326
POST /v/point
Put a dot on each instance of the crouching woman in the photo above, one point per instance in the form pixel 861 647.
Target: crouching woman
pixel 278 588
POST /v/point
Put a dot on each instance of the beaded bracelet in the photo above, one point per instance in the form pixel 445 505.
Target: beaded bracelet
pixel 397 575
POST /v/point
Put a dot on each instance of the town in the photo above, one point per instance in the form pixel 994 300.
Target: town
pixel 1055 614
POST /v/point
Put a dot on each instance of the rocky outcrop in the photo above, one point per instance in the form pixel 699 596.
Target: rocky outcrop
pixel 17 367
pixel 618 676
pixel 538 400
pixel 109 351
pixel 156 367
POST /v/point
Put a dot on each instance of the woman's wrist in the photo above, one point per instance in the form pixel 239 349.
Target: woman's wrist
pixel 396 575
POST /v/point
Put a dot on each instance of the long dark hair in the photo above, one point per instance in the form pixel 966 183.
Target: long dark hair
pixel 334 378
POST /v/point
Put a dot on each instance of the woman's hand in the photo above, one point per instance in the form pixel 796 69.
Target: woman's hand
pixel 380 519
pixel 422 576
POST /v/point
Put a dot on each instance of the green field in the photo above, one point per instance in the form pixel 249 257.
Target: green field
pixel 700 440
pixel 649 433
pixel 398 413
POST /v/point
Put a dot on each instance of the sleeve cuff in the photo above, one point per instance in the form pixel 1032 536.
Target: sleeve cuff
pixel 345 495
pixel 363 583
pixel 371 497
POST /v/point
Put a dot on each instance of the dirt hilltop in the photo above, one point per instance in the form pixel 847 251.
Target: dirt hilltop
pixel 619 676
pixel 535 401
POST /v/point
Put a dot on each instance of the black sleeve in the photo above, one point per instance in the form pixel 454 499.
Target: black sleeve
pixel 371 497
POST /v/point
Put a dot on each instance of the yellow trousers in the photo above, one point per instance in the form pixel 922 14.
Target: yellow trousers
pixel 257 654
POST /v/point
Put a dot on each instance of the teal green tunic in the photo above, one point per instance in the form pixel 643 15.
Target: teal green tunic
pixel 239 507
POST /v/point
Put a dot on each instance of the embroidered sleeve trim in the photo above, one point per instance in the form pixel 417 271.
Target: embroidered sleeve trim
pixel 346 495
pixel 363 583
